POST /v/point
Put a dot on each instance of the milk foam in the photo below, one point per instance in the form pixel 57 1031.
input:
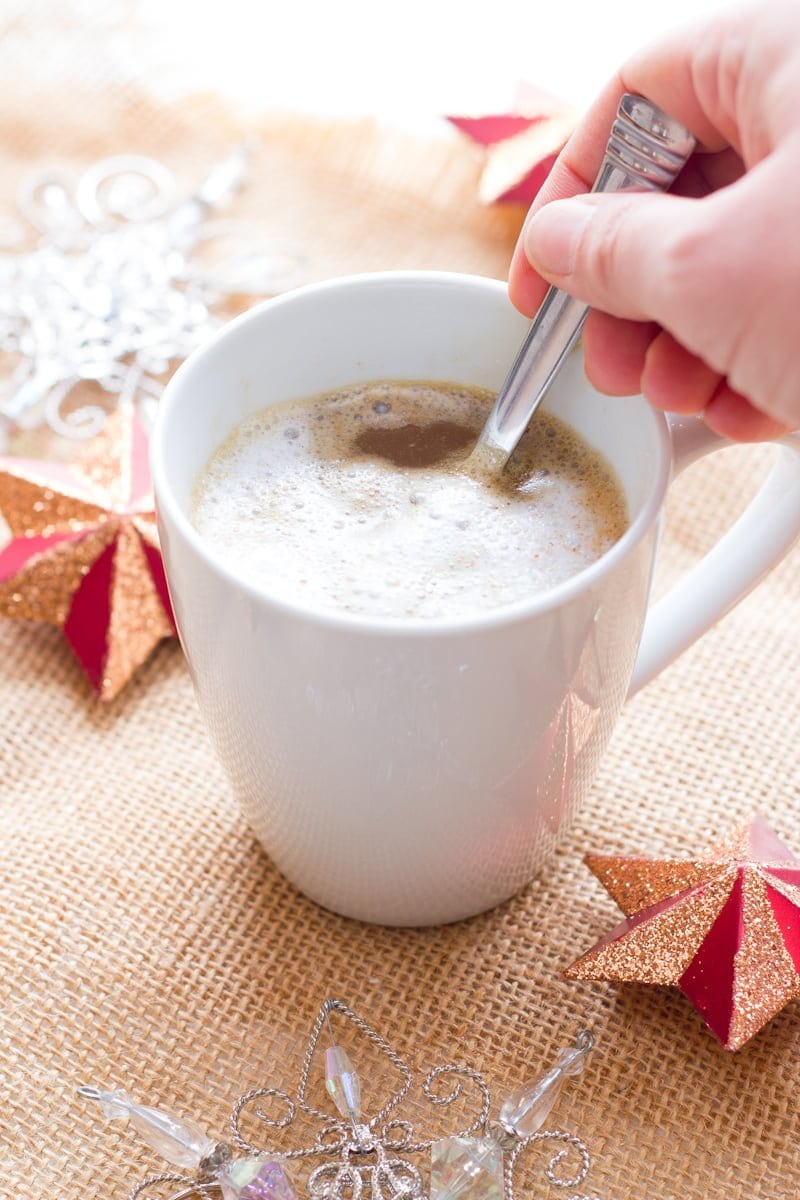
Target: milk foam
pixel 293 504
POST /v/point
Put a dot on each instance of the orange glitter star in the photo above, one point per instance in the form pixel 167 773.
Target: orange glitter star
pixel 724 928
pixel 82 553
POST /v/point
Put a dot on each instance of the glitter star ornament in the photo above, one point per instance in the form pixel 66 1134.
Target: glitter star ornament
pixel 521 146
pixel 81 552
pixel 723 927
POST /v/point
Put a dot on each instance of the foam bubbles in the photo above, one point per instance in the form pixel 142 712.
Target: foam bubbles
pixel 292 504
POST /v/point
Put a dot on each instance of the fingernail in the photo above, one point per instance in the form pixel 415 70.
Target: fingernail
pixel 553 234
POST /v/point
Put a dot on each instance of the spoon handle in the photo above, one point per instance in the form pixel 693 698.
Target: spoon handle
pixel 646 151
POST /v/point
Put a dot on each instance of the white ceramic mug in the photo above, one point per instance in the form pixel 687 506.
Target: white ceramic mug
pixel 417 771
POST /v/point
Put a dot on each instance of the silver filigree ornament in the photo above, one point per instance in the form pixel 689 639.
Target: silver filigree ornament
pixel 123 281
pixel 365 1158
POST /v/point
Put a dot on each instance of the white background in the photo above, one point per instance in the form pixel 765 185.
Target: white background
pixel 404 60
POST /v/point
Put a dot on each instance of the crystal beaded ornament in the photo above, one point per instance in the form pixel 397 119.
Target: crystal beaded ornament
pixel 112 279
pixel 363 1157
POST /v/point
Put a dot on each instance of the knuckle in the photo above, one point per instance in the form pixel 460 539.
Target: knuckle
pixel 687 260
pixel 712 281
pixel 703 291
pixel 604 255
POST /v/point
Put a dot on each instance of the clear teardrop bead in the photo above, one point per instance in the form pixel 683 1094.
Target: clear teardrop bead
pixel 525 1111
pixel 182 1143
pixel 342 1083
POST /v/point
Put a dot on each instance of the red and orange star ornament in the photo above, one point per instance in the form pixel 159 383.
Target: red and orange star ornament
pixel 724 928
pixel 520 146
pixel 81 552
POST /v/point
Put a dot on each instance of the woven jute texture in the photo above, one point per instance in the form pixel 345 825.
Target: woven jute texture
pixel 147 942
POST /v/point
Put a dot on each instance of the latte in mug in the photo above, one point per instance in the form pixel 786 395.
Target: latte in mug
pixel 363 500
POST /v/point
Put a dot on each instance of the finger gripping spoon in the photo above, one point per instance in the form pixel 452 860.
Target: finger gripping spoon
pixel 646 151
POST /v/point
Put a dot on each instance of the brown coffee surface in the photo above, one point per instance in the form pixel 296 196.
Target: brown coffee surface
pixel 363 500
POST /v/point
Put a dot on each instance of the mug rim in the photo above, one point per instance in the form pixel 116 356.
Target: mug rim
pixel 171 513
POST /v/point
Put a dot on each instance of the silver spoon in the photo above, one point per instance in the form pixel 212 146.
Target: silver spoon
pixel 646 151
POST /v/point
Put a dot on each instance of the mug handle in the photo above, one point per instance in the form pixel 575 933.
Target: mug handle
pixel 741 558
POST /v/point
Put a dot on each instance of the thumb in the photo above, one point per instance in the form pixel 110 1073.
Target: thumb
pixel 618 251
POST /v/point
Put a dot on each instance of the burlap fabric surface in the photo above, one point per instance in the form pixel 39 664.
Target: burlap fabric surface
pixel 146 940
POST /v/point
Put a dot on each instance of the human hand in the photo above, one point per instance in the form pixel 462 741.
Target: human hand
pixel 697 293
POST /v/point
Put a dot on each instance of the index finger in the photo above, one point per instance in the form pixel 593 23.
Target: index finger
pixel 664 73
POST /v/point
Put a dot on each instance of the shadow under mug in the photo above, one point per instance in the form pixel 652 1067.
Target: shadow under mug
pixel 416 771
